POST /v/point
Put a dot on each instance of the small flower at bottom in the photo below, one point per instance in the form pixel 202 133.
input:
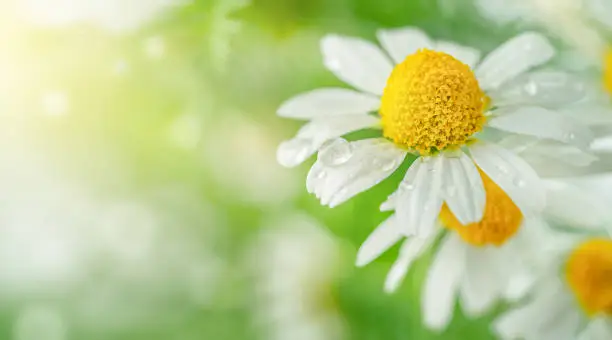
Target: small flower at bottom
pixel 574 305
pixel 495 259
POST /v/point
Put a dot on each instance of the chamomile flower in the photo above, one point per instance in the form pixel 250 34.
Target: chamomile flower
pixel 294 270
pixel 583 25
pixel 481 263
pixel 431 103
pixel 573 300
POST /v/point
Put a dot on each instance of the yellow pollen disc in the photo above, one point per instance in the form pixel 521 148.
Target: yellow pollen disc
pixel 431 101
pixel 589 274
pixel 607 72
pixel 501 219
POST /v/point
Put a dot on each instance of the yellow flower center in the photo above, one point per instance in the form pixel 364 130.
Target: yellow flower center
pixel 589 274
pixel 431 101
pixel 501 219
pixel 607 71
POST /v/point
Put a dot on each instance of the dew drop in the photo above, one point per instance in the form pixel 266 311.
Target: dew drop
pixel 335 152
pixel 390 165
pixel 519 182
pixel 531 88
pixel 407 186
pixel 502 169
pixel 570 136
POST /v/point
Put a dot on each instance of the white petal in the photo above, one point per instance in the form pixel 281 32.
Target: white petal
pixel 542 123
pixel 482 283
pixel 467 55
pixel 518 286
pixel 538 318
pixel 543 88
pixel 501 11
pixel 571 206
pixel 442 282
pixel 516 323
pixel 601 10
pixel 372 161
pixel 328 102
pixel 315 133
pixel 293 152
pixel 512 174
pixel 401 42
pixel 599 328
pixel 463 189
pixel 420 201
pixel 560 153
pixel 391 201
pixel 356 62
pixel 514 57
pixel 412 248
pixel 382 238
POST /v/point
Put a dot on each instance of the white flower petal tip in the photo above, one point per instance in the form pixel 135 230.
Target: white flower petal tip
pixel 572 205
pixel 356 62
pixel 542 123
pixel 328 102
pixel 420 196
pixel 512 58
pixel 442 283
pixel 518 180
pixel 401 42
pixel 411 249
pixel 317 132
pixel 379 241
pixel 294 152
pixel 352 170
pixel 464 191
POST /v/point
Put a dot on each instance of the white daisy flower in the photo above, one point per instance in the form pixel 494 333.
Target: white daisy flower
pixel 584 25
pixel 432 104
pixel 295 265
pixel 495 259
pixel 574 305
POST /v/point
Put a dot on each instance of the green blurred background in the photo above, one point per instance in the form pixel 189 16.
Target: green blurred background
pixel 141 197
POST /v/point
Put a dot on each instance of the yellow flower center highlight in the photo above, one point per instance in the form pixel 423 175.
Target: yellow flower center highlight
pixel 607 71
pixel 431 101
pixel 501 219
pixel 589 274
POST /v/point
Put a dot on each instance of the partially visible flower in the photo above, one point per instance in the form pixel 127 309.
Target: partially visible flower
pixel 571 300
pixel 295 265
pixel 583 25
pixel 433 105
pixel 482 263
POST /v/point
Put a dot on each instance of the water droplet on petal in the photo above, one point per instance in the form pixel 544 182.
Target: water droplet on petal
pixel 502 169
pixel 531 88
pixel 519 182
pixel 335 152
pixel 407 186
pixel 390 165
pixel 570 136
